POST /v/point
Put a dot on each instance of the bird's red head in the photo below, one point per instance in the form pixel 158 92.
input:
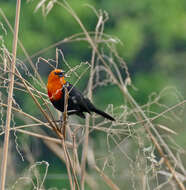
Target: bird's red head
pixel 55 84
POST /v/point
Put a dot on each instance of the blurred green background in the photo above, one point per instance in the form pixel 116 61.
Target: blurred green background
pixel 153 43
pixel 153 36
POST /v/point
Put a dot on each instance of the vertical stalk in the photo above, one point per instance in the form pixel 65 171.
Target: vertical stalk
pixel 10 94
pixel 87 123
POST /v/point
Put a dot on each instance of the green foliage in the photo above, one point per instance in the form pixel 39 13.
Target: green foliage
pixel 130 32
pixel 146 84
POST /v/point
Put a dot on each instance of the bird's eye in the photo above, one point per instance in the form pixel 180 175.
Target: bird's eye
pixel 60 74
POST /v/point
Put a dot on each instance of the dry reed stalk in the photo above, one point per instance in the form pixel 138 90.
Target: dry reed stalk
pixel 63 132
pixel 65 115
pixel 75 160
pixel 28 116
pixel 75 164
pixel 56 149
pixel 67 163
pixel 44 137
pixel 67 155
pixel 87 122
pixel 84 153
pixel 78 37
pixel 73 170
pixel 107 180
pixel 10 95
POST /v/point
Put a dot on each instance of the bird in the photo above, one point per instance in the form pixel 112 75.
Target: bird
pixel 77 103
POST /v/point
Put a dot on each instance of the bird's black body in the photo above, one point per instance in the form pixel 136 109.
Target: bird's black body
pixel 77 103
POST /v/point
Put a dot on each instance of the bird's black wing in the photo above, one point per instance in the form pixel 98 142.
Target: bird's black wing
pixel 76 101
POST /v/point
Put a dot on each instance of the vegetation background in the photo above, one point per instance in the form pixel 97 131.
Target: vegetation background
pixel 150 36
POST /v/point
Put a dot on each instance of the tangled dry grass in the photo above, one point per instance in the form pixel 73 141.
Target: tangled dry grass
pixel 135 152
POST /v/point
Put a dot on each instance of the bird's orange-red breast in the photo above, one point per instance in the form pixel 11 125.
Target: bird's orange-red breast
pixel 77 103
pixel 55 85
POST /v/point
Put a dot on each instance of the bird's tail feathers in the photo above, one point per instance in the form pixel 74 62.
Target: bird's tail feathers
pixel 102 113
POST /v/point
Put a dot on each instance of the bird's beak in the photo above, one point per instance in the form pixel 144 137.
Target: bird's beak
pixel 61 74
